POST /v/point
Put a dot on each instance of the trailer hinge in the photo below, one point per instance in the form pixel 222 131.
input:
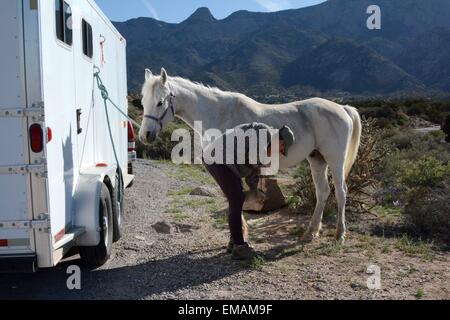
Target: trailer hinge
pixel 36 112
pixel 42 224
pixel 40 170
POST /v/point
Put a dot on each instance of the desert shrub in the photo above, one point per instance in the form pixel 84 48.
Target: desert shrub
pixel 400 139
pixel 425 173
pixel 417 179
pixel 409 148
pixel 428 209
pixel 361 181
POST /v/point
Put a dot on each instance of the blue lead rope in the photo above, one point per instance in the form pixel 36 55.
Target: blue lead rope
pixel 106 99
pixel 105 96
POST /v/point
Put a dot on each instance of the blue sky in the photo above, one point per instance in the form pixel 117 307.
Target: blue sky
pixel 178 10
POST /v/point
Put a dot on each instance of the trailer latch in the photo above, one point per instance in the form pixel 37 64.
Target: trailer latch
pixel 79 129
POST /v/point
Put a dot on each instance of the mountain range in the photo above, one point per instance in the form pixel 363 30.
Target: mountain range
pixel 323 49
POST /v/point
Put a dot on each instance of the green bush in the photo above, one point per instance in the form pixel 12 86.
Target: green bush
pixel 409 149
pixel 428 210
pixel 427 172
pixel 417 178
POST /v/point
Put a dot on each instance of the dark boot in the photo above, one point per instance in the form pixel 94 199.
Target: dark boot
pixel 243 252
pixel 230 246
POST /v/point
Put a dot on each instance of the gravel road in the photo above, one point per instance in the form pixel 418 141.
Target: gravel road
pixel 428 129
pixel 173 248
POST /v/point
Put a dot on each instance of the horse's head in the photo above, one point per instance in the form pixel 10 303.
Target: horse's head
pixel 158 106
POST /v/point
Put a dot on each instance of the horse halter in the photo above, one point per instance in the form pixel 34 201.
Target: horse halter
pixel 171 108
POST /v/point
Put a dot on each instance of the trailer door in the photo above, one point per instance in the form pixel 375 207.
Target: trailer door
pixel 59 30
pixel 86 89
pixel 16 213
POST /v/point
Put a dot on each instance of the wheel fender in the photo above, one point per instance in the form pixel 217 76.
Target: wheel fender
pixel 87 204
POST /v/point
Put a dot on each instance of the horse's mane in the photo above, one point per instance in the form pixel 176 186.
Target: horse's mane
pixel 187 83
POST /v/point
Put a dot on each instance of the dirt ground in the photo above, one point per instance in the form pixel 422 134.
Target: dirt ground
pixel 174 248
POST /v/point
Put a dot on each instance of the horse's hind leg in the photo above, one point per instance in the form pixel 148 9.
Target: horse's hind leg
pixel 319 170
pixel 341 198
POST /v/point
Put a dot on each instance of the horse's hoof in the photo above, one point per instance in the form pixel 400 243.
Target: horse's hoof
pixel 308 238
pixel 340 239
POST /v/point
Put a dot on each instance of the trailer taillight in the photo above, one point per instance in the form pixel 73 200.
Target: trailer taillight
pixel 49 134
pixel 131 137
pixel 36 138
pixel 3 242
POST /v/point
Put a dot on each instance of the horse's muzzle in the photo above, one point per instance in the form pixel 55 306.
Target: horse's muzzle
pixel 147 137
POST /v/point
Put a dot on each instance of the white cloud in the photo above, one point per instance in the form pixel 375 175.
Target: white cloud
pixel 150 9
pixel 274 5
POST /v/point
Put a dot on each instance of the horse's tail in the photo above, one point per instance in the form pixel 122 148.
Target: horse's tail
pixel 352 151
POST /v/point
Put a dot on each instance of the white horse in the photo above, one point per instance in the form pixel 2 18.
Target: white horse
pixel 327 134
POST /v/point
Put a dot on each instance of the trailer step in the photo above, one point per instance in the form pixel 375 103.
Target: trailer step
pixel 69 237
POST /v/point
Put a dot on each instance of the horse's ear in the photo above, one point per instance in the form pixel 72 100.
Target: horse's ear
pixel 148 74
pixel 164 76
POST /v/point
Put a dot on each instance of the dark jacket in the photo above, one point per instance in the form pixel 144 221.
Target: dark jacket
pixel 248 169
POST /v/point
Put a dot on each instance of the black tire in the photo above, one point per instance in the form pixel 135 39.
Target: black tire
pixel 99 255
pixel 117 207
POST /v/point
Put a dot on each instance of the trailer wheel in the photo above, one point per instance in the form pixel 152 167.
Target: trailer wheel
pixel 117 207
pixel 98 255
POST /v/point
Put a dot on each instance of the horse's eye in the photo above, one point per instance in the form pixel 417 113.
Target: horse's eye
pixel 160 104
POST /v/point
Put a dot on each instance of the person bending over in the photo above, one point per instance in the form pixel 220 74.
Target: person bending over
pixel 229 174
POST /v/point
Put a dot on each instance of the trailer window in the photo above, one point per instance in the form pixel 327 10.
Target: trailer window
pixel 63 19
pixel 87 39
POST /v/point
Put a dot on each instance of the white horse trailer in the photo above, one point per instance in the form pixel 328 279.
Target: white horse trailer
pixel 60 184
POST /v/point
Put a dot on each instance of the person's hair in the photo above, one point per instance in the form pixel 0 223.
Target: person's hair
pixel 282 128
